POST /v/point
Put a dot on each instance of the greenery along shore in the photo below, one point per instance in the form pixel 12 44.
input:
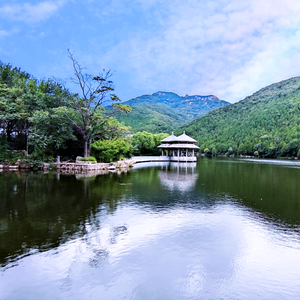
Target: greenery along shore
pixel 265 124
pixel 45 119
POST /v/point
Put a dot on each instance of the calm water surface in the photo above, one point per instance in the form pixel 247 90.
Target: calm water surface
pixel 223 229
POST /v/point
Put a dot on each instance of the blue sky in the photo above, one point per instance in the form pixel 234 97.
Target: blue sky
pixel 229 48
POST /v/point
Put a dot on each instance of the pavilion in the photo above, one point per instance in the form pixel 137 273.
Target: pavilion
pixel 179 148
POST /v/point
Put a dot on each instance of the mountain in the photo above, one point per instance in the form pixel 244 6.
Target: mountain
pixel 266 123
pixel 165 111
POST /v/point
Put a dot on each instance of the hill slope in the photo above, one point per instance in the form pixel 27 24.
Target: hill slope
pixel 154 118
pixel 266 123
pixel 164 111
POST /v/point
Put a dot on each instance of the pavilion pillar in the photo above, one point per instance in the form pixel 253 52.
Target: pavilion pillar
pixel 167 152
pixel 193 153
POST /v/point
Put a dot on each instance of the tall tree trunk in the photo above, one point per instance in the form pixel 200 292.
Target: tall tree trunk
pixel 9 129
pixel 26 138
pixel 86 148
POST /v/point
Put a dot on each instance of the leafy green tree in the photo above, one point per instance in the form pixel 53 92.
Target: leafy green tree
pixel 143 143
pixel 17 102
pixel 49 132
pixel 49 129
pixel 112 129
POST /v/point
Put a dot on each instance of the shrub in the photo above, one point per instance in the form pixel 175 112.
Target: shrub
pixel 90 158
pixel 111 150
pixel 11 157
pixel 52 167
pixel 31 162
pixel 50 159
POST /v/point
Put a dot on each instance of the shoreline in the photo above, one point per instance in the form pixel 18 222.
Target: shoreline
pixel 75 167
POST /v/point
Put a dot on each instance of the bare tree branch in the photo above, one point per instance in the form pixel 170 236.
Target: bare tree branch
pixel 95 90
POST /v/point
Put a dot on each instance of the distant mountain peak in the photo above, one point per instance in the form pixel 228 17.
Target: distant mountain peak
pixel 163 110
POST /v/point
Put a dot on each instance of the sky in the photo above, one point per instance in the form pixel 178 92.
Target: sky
pixel 226 48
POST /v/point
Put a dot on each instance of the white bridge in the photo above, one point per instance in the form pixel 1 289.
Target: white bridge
pixel 139 159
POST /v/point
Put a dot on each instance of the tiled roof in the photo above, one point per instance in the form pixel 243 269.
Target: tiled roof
pixel 182 138
pixel 185 138
pixel 178 146
pixel 170 138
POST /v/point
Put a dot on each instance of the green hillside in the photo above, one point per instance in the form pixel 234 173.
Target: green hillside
pixel 165 111
pixel 154 118
pixel 266 124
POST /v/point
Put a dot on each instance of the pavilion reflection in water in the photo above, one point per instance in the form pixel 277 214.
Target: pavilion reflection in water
pixel 179 176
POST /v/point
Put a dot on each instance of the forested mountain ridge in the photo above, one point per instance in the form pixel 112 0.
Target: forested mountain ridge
pixel 192 106
pixel 166 111
pixel 266 123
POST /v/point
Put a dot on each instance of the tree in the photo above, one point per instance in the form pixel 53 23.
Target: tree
pixel 143 142
pixel 87 112
pixel 13 88
pixel 112 129
pixel 49 130
pixel 111 150
pixel 146 142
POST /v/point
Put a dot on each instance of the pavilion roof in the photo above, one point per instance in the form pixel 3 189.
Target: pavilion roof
pixel 182 138
pixel 185 138
pixel 178 146
pixel 170 138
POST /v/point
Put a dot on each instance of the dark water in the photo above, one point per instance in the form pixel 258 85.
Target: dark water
pixel 225 229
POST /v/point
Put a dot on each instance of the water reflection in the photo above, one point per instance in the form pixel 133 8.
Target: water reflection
pixel 179 176
pixel 218 229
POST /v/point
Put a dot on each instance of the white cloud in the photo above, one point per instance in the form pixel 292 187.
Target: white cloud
pixel 226 47
pixel 277 61
pixel 28 12
pixel 4 33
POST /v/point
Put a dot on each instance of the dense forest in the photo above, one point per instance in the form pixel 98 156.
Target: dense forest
pixel 266 124
pixel 165 111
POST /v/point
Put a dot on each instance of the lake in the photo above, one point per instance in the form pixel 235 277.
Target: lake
pixel 218 229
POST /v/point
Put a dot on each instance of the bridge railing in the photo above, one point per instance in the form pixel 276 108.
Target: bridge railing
pixel 138 159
